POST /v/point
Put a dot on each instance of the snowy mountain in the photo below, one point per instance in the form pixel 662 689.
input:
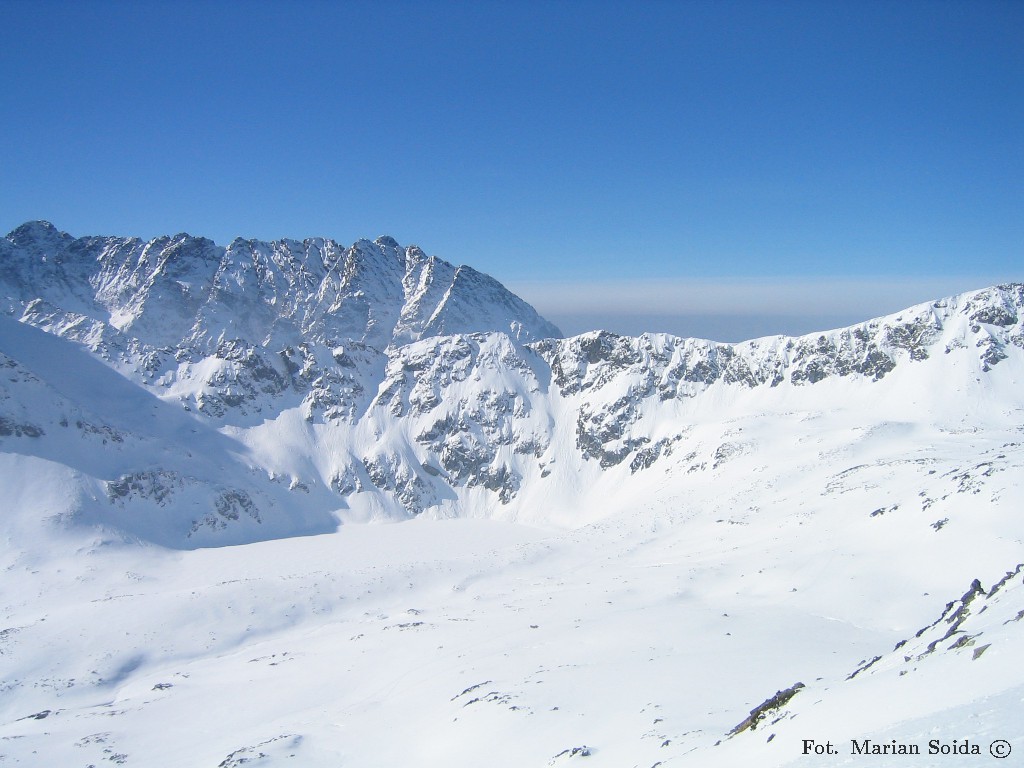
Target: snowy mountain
pixel 637 551
pixel 240 336
pixel 227 327
pixel 377 382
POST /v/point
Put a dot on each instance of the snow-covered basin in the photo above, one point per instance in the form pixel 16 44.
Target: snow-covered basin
pixel 643 637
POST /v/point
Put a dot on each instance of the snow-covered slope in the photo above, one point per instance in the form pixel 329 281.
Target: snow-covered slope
pixel 128 463
pixel 795 546
pixel 625 551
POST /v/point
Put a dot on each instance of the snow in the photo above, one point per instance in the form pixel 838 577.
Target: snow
pixel 687 601
pixel 620 547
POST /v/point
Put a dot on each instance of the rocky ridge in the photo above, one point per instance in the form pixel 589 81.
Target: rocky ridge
pixel 376 381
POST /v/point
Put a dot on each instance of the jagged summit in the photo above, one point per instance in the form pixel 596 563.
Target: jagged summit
pixel 373 292
pixel 35 234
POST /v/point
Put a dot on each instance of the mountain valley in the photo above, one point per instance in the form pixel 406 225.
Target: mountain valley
pixel 301 503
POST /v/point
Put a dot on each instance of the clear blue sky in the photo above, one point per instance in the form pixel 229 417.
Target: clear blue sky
pixel 550 144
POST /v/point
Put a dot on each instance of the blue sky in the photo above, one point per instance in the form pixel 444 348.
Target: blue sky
pixel 866 153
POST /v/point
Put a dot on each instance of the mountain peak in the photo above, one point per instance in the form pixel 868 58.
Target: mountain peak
pixel 35 232
pixel 175 290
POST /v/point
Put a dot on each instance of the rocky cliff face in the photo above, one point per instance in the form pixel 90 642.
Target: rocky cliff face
pixel 377 381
